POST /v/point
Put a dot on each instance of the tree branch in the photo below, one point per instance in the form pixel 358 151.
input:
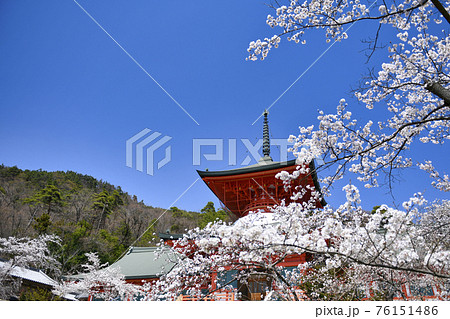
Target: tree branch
pixel 442 10
pixel 439 91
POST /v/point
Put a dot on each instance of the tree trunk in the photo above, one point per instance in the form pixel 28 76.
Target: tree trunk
pixel 439 91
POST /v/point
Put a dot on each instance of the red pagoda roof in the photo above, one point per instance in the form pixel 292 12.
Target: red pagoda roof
pixel 255 187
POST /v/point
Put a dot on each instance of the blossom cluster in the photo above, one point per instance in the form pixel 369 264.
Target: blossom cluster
pixel 397 244
pixel 24 253
pixel 100 281
pixel 296 18
pixel 388 247
pixel 353 250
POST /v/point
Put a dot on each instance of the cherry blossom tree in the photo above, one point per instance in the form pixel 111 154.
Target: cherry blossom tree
pixel 24 253
pixel 99 281
pixel 356 254
pixel 412 85
pixel 352 253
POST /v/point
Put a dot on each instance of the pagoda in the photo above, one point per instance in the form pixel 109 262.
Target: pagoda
pixel 255 187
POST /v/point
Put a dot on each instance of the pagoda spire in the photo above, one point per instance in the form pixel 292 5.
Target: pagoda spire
pixel 266 140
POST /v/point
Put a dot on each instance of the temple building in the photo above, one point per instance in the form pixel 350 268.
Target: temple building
pixel 255 187
pixel 243 190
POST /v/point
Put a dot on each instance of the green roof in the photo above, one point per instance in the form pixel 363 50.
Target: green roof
pixel 146 262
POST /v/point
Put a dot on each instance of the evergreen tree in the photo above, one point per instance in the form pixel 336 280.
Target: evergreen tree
pixel 148 237
pixel 210 215
pixel 104 204
pixel 49 197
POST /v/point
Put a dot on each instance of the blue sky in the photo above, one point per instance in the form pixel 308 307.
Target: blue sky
pixel 70 97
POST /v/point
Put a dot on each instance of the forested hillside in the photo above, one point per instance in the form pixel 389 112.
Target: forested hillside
pixel 87 214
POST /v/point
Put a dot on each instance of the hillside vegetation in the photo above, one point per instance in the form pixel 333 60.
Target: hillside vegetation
pixel 89 215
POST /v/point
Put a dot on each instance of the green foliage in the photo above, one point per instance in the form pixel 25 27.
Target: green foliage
pixel 210 215
pixel 38 178
pixel 82 180
pixel 124 233
pixel 148 238
pixel 9 173
pixel 105 203
pixel 37 294
pixel 102 202
pixel 108 246
pixel 383 221
pixel 375 208
pixel 179 213
pixel 89 215
pixel 42 224
pixel 76 239
pixel 183 220
pixel 209 207
pixel 50 197
pixel 175 229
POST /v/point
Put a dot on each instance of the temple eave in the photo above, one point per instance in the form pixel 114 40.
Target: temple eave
pixel 248 169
